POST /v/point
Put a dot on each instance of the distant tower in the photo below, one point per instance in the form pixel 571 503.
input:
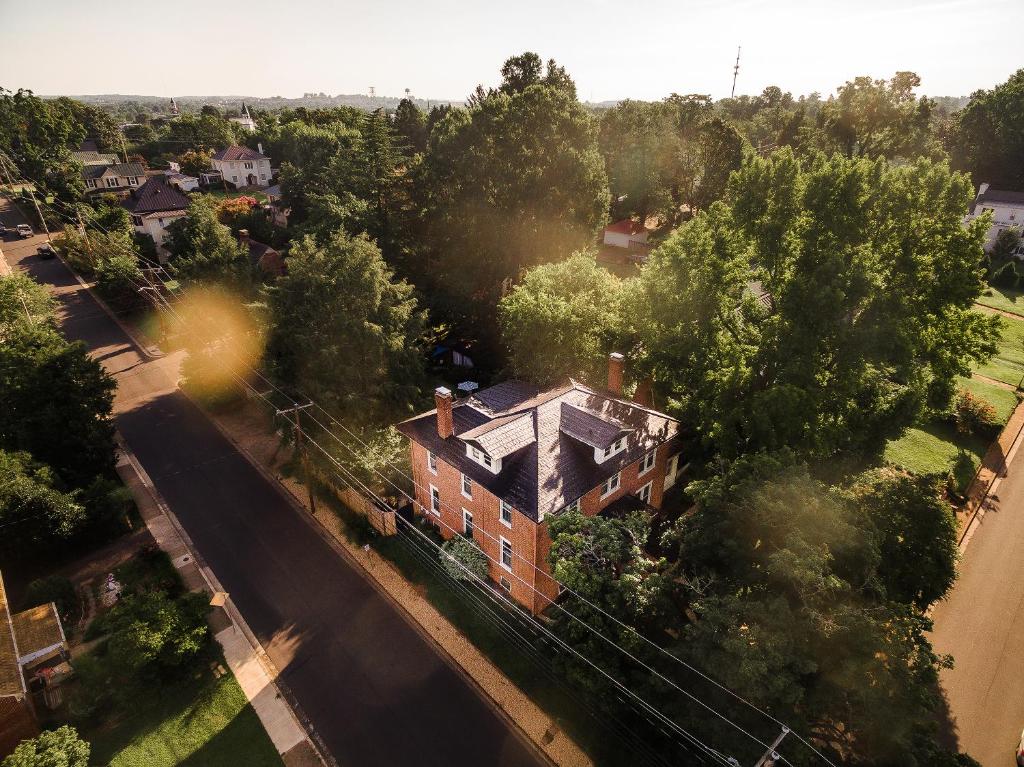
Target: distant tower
pixel 407 92
pixel 174 106
pixel 373 92
pixel 735 72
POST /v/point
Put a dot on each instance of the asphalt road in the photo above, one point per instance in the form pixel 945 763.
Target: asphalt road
pixel 376 691
pixel 981 624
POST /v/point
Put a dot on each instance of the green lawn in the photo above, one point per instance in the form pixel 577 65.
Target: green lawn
pixel 1008 363
pixel 1003 400
pixel 934 448
pixel 206 721
pixel 1007 299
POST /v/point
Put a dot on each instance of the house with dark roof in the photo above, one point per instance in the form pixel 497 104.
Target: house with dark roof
pixel 243 166
pixel 33 651
pixel 1006 207
pixel 154 206
pixel 497 465
pixel 263 258
pixel 116 178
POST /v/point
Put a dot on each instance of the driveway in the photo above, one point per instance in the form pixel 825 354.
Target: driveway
pixel 376 691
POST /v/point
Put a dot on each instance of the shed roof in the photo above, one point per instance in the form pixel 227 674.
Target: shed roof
pixel 37 628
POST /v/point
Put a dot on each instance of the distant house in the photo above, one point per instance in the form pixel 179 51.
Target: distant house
pixel 1007 210
pixel 246 121
pixel 154 206
pixel 33 661
pixel 118 178
pixel 276 208
pixel 624 242
pixel 243 166
pixel 269 261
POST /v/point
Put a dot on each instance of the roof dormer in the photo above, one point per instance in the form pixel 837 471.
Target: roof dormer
pixel 489 443
pixel 607 436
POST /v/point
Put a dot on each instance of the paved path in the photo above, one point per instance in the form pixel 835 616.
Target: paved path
pixel 981 624
pixel 375 689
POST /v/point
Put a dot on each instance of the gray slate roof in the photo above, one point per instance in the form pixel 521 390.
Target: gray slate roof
pixel 117 169
pixel 155 197
pixel 554 468
pixel 232 153
pixel 94 158
pixel 503 436
pixel 993 196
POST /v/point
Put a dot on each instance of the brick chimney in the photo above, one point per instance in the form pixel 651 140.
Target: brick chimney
pixel 644 395
pixel 443 400
pixel 616 362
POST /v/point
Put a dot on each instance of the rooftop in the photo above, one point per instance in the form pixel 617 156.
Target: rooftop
pixel 239 153
pixel 154 197
pixel 626 226
pixel 11 682
pixel 546 440
pixel 115 169
pixel 990 195
pixel 37 629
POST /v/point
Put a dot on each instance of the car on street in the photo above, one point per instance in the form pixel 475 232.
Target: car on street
pixel 24 230
pixel 46 251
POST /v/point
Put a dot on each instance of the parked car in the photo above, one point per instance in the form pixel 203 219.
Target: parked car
pixel 24 230
pixel 46 251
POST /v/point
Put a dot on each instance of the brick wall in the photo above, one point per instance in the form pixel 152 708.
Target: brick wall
pixel 530 541
pixel 17 722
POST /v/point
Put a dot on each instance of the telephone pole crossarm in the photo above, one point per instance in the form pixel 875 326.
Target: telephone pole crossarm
pixel 771 756
pixel 296 409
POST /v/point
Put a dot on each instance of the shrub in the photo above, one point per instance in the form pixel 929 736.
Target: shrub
pixel 118 280
pixel 973 415
pixel 467 553
pixel 56 589
pixel 52 748
pixel 156 635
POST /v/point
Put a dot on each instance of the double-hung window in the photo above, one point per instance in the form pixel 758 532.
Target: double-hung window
pixel 573 507
pixel 506 554
pixel 645 493
pixel 435 500
pixel 506 514
pixel 610 485
pixel 467 523
pixel 431 462
pixel 647 462
pixel 467 486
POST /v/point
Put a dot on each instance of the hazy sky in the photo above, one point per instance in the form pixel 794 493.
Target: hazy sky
pixel 443 48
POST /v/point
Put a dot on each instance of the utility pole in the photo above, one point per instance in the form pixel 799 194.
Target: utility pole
pixel 296 408
pixel 771 756
pixel 124 152
pixel 39 213
pixel 735 72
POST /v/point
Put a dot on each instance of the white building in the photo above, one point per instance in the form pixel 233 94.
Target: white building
pixel 243 166
pixel 625 234
pixel 1007 210
pixel 154 206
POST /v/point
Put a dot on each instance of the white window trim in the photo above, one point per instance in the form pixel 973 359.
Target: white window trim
pixel 505 583
pixel 432 491
pixel 574 506
pixel 502 505
pixel 653 455
pixel 602 455
pixel 476 455
pixel 649 487
pixel 501 553
pixel 431 458
pixel 462 486
pixel 467 513
pixel 617 476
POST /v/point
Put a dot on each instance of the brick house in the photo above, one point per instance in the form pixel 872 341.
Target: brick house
pixel 495 466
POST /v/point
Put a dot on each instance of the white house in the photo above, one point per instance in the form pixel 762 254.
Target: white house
pixel 182 181
pixel 118 178
pixel 154 206
pixel 243 166
pixel 1007 210
pixel 625 234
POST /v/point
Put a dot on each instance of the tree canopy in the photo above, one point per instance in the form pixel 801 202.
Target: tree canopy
pixel 986 138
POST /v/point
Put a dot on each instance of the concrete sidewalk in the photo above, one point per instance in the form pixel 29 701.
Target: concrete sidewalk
pixel 241 651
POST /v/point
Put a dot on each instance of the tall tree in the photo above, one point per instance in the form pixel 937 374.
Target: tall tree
pixel 514 181
pixel 986 138
pixel 343 331
pixel 823 306
pixel 204 249
pixel 562 320
pixel 411 125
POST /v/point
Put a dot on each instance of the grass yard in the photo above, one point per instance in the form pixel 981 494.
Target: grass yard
pixel 1006 299
pixel 1008 363
pixel 206 721
pixel 935 448
pixel 1003 400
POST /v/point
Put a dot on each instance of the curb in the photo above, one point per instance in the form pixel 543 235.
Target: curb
pixel 299 506
pixel 229 607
